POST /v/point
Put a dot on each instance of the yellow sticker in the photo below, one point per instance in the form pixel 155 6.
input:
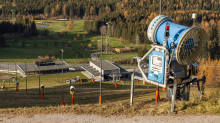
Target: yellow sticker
pixel 178 81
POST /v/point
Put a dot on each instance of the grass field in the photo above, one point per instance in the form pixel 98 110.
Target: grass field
pixel 53 84
pixel 115 101
pixel 17 53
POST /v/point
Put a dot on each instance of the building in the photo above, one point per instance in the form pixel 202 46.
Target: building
pixel 110 70
pixel 49 67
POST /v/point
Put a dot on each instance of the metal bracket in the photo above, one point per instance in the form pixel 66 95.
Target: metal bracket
pixel 139 60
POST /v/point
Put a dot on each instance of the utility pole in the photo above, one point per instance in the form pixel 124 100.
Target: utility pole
pixel 26 75
pixel 160 7
pixel 107 37
pixel 100 96
pixel 137 40
pixel 62 78
pixel 132 88
pixel 16 70
pixel 8 78
pixel 39 76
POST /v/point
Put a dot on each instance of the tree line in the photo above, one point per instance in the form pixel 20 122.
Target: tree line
pixel 21 26
pixel 128 18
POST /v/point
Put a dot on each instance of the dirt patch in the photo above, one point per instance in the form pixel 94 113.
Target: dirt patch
pixel 6 77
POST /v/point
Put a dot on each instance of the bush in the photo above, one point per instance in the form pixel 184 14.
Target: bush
pixel 63 43
pixel 89 46
pixel 35 44
pixel 55 43
pixel 45 32
pixel 78 35
pixel 16 40
pixel 46 44
pixel 27 32
pixel 61 33
pixel 142 51
pixel 45 59
pixel 69 44
pixel 3 42
pixel 23 44
pixel 13 44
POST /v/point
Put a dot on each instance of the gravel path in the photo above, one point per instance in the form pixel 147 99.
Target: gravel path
pixel 94 55
pixel 68 118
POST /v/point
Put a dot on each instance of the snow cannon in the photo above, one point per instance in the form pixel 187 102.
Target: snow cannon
pixel 169 62
pixel 187 43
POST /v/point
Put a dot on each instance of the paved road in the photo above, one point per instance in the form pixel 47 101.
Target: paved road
pixel 4 65
pixel 69 118
pixel 129 67
pixel 94 55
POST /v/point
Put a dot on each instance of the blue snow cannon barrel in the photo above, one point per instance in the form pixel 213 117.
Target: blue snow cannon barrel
pixel 190 42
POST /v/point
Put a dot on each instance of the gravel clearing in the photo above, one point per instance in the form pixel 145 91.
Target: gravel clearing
pixel 69 118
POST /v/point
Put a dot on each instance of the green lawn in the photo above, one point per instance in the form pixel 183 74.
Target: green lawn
pixel 86 98
pixel 53 91
pixel 72 54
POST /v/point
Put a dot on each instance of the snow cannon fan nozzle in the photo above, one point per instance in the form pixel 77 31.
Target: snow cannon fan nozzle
pixel 189 42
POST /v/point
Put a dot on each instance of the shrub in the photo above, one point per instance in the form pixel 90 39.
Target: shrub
pixel 89 46
pixel 78 35
pixel 69 44
pixel 55 43
pixel 61 33
pixel 13 44
pixel 46 44
pixel 3 42
pixel 35 44
pixel 16 40
pixel 63 43
pixel 70 25
pixel 45 32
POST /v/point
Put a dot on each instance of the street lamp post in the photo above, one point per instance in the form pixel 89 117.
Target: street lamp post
pixel 16 70
pixel 62 78
pixel 100 97
pixel 8 78
pixel 39 77
pixel 26 75
pixel 194 18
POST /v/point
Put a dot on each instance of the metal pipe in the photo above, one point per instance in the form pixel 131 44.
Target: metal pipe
pixel 62 73
pixel 8 78
pixel 39 75
pixel 160 7
pixel 16 70
pixel 132 89
pixel 101 70
pixel 26 75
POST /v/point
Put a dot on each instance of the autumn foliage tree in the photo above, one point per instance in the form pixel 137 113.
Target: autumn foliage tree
pixel 78 35
pixel 70 25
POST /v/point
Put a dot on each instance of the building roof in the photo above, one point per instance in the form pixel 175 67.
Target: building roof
pixel 32 67
pixel 106 65
pixel 90 69
pixel 122 70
